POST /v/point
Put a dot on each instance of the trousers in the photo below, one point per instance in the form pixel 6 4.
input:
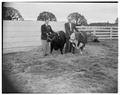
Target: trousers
pixel 69 47
pixel 45 46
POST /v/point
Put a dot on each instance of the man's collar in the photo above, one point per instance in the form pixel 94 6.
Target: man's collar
pixel 46 24
pixel 69 22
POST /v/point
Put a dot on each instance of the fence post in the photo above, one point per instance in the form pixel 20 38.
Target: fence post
pixel 94 32
pixel 111 33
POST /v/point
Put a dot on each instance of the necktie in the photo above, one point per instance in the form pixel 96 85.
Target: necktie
pixel 70 27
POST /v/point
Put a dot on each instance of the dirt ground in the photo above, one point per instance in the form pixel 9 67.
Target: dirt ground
pixel 96 71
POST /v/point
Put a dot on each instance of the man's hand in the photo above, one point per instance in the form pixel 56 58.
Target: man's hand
pixel 74 31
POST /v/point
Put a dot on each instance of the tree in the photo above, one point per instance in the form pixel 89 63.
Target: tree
pixel 77 18
pixel 10 13
pixel 45 15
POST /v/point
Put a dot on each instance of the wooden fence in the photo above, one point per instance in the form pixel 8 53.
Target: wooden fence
pixel 25 35
pixel 102 32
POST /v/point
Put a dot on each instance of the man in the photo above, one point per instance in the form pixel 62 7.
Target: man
pixel 45 31
pixel 69 28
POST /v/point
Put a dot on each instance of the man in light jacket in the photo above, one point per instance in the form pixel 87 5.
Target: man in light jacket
pixel 69 29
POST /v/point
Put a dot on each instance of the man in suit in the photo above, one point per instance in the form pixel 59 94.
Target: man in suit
pixel 45 31
pixel 69 28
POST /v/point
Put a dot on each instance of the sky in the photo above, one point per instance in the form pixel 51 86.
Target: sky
pixel 93 12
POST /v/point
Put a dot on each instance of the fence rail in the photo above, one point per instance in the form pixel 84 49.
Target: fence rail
pixel 102 32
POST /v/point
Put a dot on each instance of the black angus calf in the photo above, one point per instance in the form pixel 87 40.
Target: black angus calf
pixel 57 41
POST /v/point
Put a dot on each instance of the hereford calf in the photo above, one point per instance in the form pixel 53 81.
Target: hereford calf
pixel 78 40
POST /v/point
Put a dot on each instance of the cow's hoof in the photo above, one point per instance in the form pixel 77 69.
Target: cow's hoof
pixel 45 54
pixel 81 53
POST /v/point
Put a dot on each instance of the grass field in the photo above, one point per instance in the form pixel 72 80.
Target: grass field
pixel 96 71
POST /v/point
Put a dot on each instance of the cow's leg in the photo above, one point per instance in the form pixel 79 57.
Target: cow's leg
pixel 81 52
pixel 51 49
pixel 61 50
pixel 73 50
pixel 81 49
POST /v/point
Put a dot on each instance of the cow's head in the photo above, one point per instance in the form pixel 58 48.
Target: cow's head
pixel 53 36
pixel 49 37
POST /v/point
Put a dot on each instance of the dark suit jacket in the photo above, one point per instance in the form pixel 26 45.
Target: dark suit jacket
pixel 45 30
pixel 67 29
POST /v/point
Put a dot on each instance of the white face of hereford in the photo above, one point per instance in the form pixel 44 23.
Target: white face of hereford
pixel 72 36
pixel 74 41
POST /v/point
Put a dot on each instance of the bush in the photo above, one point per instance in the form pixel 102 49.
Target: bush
pixel 45 15
pixel 10 13
pixel 78 19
